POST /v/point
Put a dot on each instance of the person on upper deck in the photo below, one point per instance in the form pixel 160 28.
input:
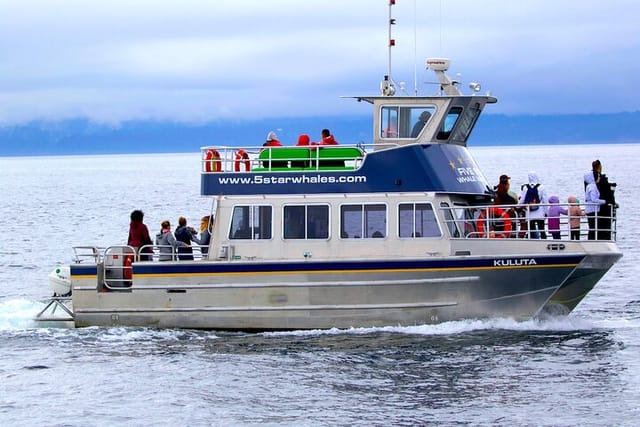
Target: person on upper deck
pixel 327 138
pixel 532 196
pixel 272 140
pixel 139 235
pixel 303 140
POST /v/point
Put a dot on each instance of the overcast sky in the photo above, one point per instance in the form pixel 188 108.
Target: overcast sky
pixel 201 60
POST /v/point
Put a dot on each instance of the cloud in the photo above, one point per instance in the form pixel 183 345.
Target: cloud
pixel 204 60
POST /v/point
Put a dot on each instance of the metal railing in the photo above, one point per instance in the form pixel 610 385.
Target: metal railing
pixel 215 159
pixel 520 222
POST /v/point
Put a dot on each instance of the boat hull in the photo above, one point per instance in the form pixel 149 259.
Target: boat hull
pixel 320 295
pixel 584 278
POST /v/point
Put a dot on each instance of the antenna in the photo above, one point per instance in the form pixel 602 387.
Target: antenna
pixel 386 86
pixel 415 48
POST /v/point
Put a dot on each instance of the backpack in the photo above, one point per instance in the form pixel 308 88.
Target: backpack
pixel 532 197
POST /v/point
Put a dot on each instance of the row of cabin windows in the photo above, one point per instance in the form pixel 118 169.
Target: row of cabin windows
pixel 357 221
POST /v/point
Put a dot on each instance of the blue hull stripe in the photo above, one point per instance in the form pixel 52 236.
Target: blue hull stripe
pixel 302 267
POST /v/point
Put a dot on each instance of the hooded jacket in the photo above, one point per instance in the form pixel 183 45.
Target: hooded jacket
pixel 329 140
pixel 575 212
pixel 592 198
pixel 167 245
pixel 555 210
pixel 539 213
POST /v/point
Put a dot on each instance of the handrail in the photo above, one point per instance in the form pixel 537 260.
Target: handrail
pixel 462 221
pixel 282 158
pixel 87 253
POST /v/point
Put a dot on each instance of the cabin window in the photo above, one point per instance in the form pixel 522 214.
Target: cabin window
pixel 363 221
pixel 251 222
pixel 306 222
pixel 417 220
pixel 467 122
pixel 450 220
pixel 449 122
pixel 404 122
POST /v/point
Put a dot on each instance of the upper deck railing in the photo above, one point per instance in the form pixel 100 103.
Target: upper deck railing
pixel 216 159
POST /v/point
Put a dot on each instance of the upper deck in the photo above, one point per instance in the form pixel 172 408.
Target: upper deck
pixel 419 145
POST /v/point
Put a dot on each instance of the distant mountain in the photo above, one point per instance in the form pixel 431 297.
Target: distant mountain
pixel 81 136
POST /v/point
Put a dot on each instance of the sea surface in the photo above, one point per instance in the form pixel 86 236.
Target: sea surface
pixel 580 370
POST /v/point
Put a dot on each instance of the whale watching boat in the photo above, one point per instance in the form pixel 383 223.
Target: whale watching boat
pixel 399 231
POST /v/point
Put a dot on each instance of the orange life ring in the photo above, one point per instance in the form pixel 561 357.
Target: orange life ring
pixel 212 161
pixel 242 158
pixel 127 269
pixel 494 214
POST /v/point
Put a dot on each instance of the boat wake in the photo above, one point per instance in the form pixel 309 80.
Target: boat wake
pixel 19 314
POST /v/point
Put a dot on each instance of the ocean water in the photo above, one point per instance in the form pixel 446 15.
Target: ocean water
pixel 583 369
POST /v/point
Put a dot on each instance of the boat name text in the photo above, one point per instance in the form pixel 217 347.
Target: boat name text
pixel 513 262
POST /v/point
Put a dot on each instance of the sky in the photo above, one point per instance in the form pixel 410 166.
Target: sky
pixel 207 60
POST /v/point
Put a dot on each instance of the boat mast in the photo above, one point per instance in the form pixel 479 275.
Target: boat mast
pixel 387 87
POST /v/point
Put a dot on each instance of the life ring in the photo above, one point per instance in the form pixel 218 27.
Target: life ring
pixel 127 269
pixel 242 158
pixel 494 214
pixel 212 161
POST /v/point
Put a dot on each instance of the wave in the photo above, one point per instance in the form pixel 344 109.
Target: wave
pixel 19 314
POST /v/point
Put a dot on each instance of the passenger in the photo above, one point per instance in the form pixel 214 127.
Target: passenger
pixel 553 216
pixel 139 236
pixel 206 224
pixel 185 235
pixel 327 138
pixel 272 140
pixel 575 212
pixel 592 203
pixel 607 211
pixel 422 120
pixel 166 242
pixel 532 196
pixel 303 140
pixel 504 196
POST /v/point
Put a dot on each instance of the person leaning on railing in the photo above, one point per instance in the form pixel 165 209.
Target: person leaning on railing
pixel 592 202
pixel 166 242
pixel 206 223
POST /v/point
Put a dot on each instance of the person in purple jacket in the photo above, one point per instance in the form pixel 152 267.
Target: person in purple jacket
pixel 553 216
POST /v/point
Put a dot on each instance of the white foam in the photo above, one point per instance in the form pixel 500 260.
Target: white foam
pixel 568 323
pixel 19 314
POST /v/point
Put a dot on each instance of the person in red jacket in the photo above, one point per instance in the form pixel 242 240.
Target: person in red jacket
pixel 327 138
pixel 272 140
pixel 139 235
